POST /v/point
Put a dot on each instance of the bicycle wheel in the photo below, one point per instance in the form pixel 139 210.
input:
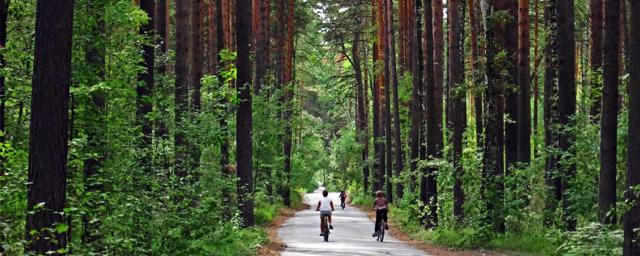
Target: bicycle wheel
pixel 326 229
pixel 381 235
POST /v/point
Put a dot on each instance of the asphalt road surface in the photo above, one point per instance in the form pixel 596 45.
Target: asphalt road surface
pixel 351 234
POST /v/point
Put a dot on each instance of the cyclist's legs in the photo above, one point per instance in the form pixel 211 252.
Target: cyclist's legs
pixel 322 214
pixel 384 215
pixel 378 219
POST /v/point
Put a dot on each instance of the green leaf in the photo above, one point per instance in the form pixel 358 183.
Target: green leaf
pixel 62 228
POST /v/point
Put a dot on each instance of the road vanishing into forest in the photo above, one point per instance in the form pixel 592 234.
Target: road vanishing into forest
pixel 351 234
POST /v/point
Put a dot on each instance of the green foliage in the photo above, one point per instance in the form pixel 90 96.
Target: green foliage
pixel 592 239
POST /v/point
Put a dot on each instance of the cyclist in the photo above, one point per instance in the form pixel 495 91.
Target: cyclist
pixel 381 207
pixel 343 198
pixel 325 206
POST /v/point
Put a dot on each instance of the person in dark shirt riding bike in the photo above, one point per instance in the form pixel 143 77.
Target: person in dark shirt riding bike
pixel 381 207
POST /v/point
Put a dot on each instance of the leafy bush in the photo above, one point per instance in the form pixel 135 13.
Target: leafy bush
pixel 593 239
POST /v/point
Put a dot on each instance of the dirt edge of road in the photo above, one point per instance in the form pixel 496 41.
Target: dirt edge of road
pixel 422 245
pixel 275 245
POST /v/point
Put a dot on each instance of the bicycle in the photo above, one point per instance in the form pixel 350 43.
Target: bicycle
pixel 325 227
pixel 380 233
pixel 342 204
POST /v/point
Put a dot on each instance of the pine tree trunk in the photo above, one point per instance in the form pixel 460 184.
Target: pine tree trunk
pixel 609 120
pixel 458 113
pixel 476 30
pixel 396 102
pixel 197 60
pixel 262 47
pixel 493 186
pixel 145 89
pixel 181 86
pixel 632 217
pixel 162 28
pixel 387 102
pixel 49 127
pixel 551 115
pixel 360 108
pixel 524 86
pixel 415 53
pixel 224 143
pixel 566 97
pixel 244 123
pixel 510 37
pixel 433 119
pixel 596 38
pixel 4 8
pixel 289 87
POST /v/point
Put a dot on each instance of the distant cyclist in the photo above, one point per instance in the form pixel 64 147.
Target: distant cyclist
pixel 325 206
pixel 343 199
pixel 381 207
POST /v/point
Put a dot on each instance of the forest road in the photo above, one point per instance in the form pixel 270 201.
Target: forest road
pixel 351 234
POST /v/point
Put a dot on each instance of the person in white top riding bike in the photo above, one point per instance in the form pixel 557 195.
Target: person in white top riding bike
pixel 325 206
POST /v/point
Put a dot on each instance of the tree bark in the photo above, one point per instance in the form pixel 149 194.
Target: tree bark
pixel 197 59
pixel 458 113
pixel 632 217
pixel 595 65
pixel 566 97
pixel 396 103
pixel 4 9
pixel 262 45
pixel 360 108
pixel 162 28
pixel 524 86
pixel 49 127
pixel 145 89
pixel 289 87
pixel 429 190
pixel 244 123
pixel 181 86
pixel 415 49
pixel 493 184
pixel 551 115
pixel 609 119
pixel 510 33
pixel 387 103
pixel 476 29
